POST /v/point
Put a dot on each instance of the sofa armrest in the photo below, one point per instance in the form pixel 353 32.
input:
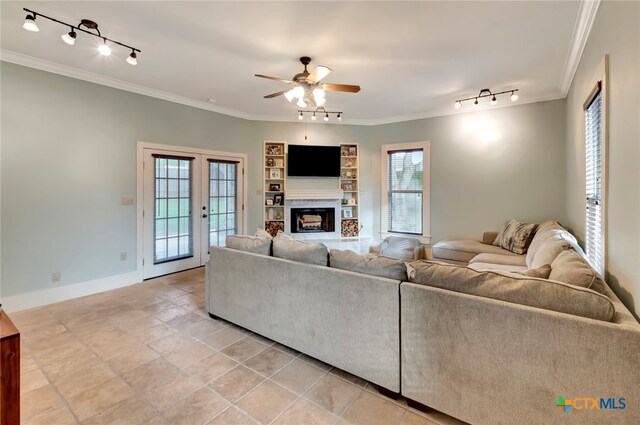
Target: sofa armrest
pixel 418 252
pixel 489 237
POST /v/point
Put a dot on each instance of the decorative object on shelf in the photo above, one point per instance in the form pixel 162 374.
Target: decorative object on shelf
pixel 279 162
pixel 487 93
pixel 70 37
pixel 307 87
pixel 277 200
pixel 347 187
pixel 270 162
pixel 347 163
pixel 269 201
pixel 279 215
pixel 273 227
pixel 274 173
pixel 271 214
pixel 349 228
pixel 353 151
pixel 347 213
pixel 274 187
pixel 319 112
pixel 351 201
pixel 274 150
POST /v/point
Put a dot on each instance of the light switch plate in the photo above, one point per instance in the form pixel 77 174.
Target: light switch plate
pixel 126 201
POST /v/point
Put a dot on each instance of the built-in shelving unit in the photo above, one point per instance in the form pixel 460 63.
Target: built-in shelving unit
pixel 274 186
pixel 349 183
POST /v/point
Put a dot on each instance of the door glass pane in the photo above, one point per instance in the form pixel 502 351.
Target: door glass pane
pixel 223 189
pixel 173 230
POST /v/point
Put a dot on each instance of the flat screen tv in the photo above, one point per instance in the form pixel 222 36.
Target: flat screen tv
pixel 313 161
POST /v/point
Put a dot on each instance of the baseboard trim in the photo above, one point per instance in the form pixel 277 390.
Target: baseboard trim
pixel 62 293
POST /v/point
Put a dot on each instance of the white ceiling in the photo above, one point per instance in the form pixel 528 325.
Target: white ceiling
pixel 412 59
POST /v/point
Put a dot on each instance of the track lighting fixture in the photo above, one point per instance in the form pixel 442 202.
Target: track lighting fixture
pixel 90 27
pixel 30 23
pixel 314 114
pixel 69 38
pixel 486 93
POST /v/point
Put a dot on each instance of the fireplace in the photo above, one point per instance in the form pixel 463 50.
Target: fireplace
pixel 313 220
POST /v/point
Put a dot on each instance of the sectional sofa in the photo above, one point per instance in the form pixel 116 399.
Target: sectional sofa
pixel 484 346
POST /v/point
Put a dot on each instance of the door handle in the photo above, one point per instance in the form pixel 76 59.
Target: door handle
pixel 204 216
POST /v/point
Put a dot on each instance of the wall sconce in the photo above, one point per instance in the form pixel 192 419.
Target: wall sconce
pixel 487 93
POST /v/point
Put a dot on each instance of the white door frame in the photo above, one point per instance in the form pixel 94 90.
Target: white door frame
pixel 141 146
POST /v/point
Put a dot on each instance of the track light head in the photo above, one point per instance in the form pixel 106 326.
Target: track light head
pixel 300 117
pixel 70 37
pixel 494 100
pixel 457 105
pixel 514 96
pixel 339 116
pixel 313 117
pixel 476 101
pixel 132 59
pixel 30 23
pixel 326 117
pixel 104 49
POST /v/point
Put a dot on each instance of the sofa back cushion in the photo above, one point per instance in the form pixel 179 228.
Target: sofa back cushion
pixel 570 267
pixel 515 236
pixel 549 250
pixel 284 246
pixel 545 230
pixel 510 287
pixel 255 244
pixel 368 264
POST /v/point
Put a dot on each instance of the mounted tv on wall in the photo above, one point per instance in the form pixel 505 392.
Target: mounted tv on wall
pixel 313 161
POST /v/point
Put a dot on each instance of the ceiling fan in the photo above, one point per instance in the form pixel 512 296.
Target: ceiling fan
pixel 307 87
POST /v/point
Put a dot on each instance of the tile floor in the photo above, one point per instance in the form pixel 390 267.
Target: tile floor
pixel 150 354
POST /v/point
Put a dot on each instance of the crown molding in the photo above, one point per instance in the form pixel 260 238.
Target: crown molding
pixel 586 17
pixel 67 71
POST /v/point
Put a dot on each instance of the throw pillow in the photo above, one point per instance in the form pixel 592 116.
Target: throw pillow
pixel 571 268
pixel 516 236
pixel 368 264
pixel 513 288
pixel 257 245
pixel 284 246
pixel 261 233
pixel 541 272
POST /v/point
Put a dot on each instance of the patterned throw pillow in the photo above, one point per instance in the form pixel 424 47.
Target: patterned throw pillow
pixel 516 236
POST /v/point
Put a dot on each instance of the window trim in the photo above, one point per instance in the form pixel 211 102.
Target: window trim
pixel 600 85
pixel 425 237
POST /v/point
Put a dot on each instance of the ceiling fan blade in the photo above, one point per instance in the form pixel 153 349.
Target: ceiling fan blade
pixel 341 87
pixel 274 78
pixel 280 93
pixel 318 74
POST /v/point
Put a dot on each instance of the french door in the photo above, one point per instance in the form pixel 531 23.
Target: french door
pixel 191 201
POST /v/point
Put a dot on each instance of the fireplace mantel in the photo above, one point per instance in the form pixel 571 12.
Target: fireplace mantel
pixel 312 194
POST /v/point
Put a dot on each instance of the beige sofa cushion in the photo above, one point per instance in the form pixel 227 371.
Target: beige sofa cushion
pixel 368 264
pixel 464 250
pixel 478 265
pixel 515 236
pixel 549 250
pixel 510 287
pixel 571 268
pixel 541 272
pixel 545 230
pixel 255 244
pixel 508 260
pixel 284 246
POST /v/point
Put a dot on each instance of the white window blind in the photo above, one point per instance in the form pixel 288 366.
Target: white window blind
pixel 594 173
pixel 405 191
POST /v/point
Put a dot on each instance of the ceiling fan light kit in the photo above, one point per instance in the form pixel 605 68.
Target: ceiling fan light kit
pixel 70 37
pixel 308 89
pixel 487 93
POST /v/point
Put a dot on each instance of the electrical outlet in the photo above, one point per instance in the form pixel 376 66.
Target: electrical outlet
pixel 123 256
pixel 126 200
pixel 55 277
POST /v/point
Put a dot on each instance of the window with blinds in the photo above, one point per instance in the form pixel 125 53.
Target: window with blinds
pixel 405 191
pixel 593 110
pixel 223 198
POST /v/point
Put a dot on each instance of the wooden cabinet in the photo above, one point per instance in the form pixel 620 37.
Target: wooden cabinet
pixel 9 371
pixel 349 183
pixel 275 169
